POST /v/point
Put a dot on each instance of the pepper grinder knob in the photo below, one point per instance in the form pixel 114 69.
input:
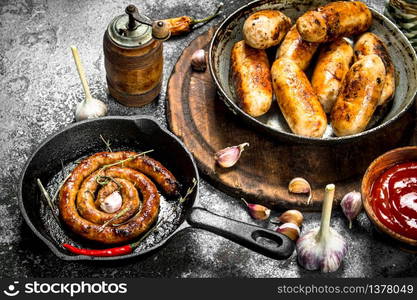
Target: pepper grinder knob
pixel 132 12
pixel 160 30
pixel 134 17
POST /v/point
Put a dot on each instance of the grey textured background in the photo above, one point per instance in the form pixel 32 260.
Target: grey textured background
pixel 39 90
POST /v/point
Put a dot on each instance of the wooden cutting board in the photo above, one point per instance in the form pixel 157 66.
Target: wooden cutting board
pixel 202 121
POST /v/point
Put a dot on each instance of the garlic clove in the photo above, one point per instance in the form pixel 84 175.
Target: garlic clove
pixel 112 203
pixel 229 156
pixel 299 185
pixel 291 230
pixel 198 60
pixel 351 205
pixel 257 211
pixel 292 216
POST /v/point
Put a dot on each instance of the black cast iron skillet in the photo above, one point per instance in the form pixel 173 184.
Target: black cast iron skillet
pixel 138 134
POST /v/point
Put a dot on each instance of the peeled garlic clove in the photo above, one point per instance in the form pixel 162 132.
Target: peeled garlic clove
pixel 292 216
pixel 257 211
pixel 229 156
pixel 112 203
pixel 198 60
pixel 289 229
pixel 299 185
pixel 351 205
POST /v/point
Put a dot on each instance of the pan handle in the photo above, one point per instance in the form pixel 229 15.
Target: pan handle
pixel 267 242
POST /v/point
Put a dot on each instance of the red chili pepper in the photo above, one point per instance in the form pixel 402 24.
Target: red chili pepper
pixel 185 24
pixel 123 250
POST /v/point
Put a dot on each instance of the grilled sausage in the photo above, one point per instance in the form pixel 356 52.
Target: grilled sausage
pixel 265 28
pixel 252 79
pixel 332 65
pixel 370 43
pixel 297 99
pixel 76 198
pixel 359 96
pixel 88 209
pixel 334 20
pixel 297 49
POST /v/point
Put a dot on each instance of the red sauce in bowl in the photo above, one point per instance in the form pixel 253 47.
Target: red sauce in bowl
pixel 394 199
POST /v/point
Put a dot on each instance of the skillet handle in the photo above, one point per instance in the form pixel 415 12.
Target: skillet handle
pixel 264 241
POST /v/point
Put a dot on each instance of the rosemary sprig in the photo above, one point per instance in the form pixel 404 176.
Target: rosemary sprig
pixel 107 143
pixel 115 164
pixel 124 160
pixel 48 199
pixel 78 161
pixel 104 180
pixel 189 191
pixel 59 188
pixel 135 244
pixel 128 220
pixel 115 217
pixel 62 168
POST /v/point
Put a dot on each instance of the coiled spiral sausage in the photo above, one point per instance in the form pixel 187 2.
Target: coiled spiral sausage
pixel 81 213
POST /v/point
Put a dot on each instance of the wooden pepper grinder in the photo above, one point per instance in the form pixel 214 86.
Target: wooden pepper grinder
pixel 133 57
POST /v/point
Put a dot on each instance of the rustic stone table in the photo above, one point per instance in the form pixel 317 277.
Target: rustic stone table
pixel 39 90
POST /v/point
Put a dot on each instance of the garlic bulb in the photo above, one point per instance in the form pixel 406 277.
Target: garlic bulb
pixel 229 156
pixel 198 60
pixel 351 205
pixel 112 203
pixel 90 109
pixel 257 211
pixel 322 248
pixel 289 229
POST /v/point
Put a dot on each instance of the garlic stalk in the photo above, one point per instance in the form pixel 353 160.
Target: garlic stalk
pixel 229 156
pixel 322 248
pixel 351 205
pixel 257 211
pixel 90 107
